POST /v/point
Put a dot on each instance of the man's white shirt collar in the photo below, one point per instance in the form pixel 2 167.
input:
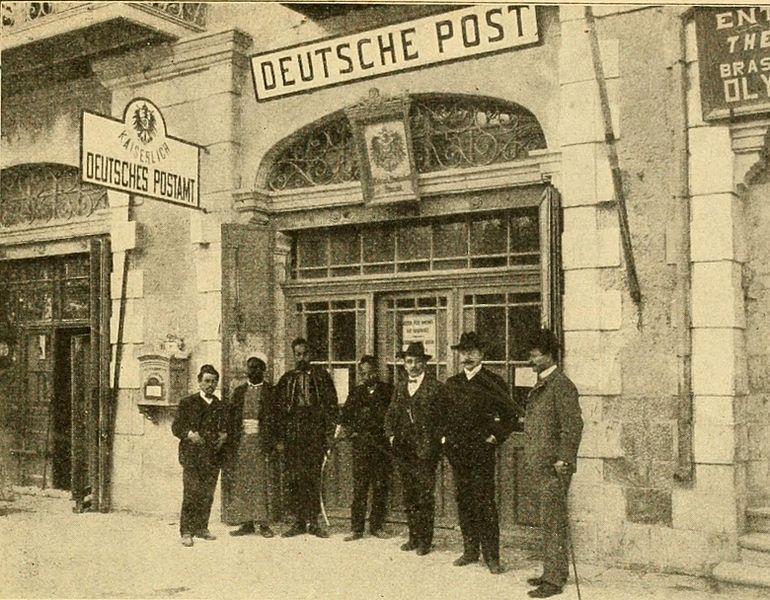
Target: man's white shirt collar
pixel 255 384
pixel 413 385
pixel 207 400
pixel 472 373
pixel 547 372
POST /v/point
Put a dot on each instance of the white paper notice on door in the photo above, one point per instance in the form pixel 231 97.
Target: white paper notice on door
pixel 341 379
pixel 419 328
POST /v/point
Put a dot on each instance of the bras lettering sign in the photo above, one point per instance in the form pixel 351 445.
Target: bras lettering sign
pixel 734 60
pixel 136 155
pixel 448 36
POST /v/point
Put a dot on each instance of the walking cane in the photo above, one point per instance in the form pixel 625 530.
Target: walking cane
pixel 565 486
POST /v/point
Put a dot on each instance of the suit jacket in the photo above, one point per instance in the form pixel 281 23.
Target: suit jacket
pixel 417 423
pixel 552 424
pixel 323 404
pixel 363 414
pixel 477 409
pixel 209 420
pixel 267 417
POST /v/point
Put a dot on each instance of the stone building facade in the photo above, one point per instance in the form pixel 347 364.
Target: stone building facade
pixel 674 465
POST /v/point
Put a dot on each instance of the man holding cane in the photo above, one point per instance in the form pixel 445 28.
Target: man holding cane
pixel 552 429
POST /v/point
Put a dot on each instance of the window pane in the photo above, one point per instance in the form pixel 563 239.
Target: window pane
pixel 379 245
pixel 344 336
pixel 490 325
pixel 345 248
pixel 525 232
pixel 76 299
pixel 489 237
pixel 311 246
pixel 450 239
pixel 317 328
pixel 523 322
pixel 414 242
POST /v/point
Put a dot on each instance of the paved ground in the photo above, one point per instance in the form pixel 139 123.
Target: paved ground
pixel 46 551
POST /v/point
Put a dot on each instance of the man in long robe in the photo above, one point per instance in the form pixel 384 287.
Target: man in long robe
pixel 252 441
pixel 308 403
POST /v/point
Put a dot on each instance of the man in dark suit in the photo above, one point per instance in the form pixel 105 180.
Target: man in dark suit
pixel 362 419
pixel 414 425
pixel 481 417
pixel 308 404
pixel 201 425
pixel 552 429
pixel 252 439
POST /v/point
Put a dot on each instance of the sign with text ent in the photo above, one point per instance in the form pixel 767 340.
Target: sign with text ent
pixel 137 156
pixel 440 38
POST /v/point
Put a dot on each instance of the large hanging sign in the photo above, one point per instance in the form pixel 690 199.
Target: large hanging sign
pixel 136 155
pixel 734 60
pixel 430 40
pixel 419 328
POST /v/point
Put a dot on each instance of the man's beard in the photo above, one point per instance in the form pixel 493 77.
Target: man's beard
pixel 303 365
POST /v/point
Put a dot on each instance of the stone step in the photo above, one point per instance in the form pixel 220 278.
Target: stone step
pixel 758 519
pixel 728 574
pixel 755 557
pixel 759 542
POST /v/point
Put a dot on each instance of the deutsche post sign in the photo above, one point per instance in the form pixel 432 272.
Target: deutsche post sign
pixel 734 60
pixel 136 155
pixel 430 40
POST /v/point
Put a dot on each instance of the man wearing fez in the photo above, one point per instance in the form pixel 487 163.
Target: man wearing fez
pixel 552 431
pixel 252 440
pixel 308 403
pixel 201 424
pixel 362 418
pixel 414 425
pixel 481 417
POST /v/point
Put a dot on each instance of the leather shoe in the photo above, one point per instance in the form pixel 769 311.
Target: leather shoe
pixel 294 530
pixel 353 537
pixel 265 531
pixel 408 546
pixel 243 530
pixel 187 540
pixel 319 530
pixel 422 550
pixel 206 535
pixel 546 590
pixel 495 568
pixel 465 560
pixel 380 534
pixel 535 581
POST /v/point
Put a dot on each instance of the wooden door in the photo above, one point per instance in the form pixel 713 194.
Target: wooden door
pixel 83 435
pixel 34 421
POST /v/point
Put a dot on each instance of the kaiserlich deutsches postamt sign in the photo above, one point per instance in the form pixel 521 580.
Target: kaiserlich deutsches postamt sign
pixel 439 38
pixel 136 155
pixel 734 60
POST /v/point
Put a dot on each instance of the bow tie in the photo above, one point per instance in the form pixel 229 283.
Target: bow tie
pixel 415 380
pixel 210 397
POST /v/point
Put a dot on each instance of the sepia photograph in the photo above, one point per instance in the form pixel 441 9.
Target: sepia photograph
pixel 400 300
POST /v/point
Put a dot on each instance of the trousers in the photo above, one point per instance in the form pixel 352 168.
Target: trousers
pixel 418 479
pixel 199 483
pixel 304 457
pixel 476 508
pixel 554 523
pixel 371 470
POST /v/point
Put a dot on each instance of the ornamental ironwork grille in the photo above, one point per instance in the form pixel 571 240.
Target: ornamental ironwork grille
pixel 39 193
pixel 448 132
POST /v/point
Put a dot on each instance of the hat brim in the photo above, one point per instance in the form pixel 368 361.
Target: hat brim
pixel 468 347
pixel 423 356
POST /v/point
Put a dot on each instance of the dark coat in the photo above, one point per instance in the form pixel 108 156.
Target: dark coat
pixel 323 406
pixel 552 424
pixel 267 417
pixel 209 420
pixel 418 422
pixel 363 414
pixel 477 409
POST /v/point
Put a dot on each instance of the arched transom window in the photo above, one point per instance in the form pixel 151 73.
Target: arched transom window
pixel 448 132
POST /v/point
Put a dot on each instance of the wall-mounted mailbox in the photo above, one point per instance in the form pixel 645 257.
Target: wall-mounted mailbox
pixel 164 375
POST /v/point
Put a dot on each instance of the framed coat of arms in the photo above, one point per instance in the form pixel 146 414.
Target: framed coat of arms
pixel 381 130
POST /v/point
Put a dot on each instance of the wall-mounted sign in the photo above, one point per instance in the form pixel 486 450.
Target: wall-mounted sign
pixel 419 328
pixel 430 40
pixel 136 155
pixel 381 130
pixel 734 60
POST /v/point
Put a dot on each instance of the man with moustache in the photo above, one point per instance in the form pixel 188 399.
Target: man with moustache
pixel 362 419
pixel 308 405
pixel 252 440
pixel 552 430
pixel 481 417
pixel 414 425
pixel 201 424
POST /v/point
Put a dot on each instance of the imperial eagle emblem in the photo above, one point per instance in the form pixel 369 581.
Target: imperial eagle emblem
pixel 387 149
pixel 144 123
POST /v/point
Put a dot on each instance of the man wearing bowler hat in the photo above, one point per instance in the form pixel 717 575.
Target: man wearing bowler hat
pixel 414 425
pixel 481 417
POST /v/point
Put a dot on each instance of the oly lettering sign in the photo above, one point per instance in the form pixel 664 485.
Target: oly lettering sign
pixel 734 60
pixel 439 38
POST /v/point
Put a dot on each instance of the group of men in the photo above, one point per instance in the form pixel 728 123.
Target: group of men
pixel 409 426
